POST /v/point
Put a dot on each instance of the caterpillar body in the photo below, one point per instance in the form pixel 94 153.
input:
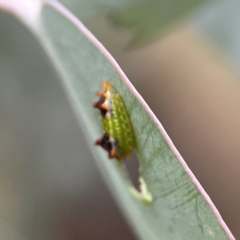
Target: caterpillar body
pixel 118 136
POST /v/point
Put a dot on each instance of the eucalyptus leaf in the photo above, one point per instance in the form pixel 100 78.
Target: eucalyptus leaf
pixel 147 19
pixel 180 208
pixel 220 23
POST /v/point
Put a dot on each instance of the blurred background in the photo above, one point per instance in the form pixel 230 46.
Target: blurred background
pixel 188 73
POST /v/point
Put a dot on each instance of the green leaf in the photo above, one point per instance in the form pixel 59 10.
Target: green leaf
pixel 147 19
pixel 179 209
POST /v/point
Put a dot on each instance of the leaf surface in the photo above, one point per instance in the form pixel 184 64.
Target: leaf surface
pixel 180 208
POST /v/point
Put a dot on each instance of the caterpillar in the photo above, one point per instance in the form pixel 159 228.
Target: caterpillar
pixel 118 137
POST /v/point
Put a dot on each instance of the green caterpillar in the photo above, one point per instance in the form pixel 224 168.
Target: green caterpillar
pixel 118 138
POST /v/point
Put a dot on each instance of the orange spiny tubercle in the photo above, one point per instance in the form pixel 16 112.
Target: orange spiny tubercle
pixel 104 106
